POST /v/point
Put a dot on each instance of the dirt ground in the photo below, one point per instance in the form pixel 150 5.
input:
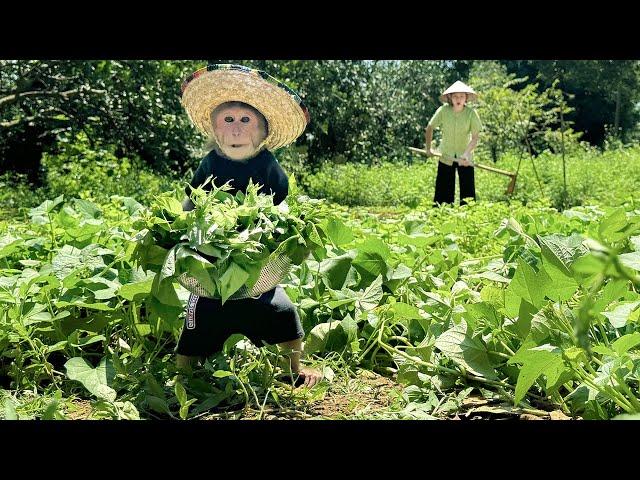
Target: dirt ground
pixel 365 395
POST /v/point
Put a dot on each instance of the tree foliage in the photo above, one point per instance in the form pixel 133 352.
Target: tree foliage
pixel 600 88
pixel 134 105
pixel 517 116
pixel 362 111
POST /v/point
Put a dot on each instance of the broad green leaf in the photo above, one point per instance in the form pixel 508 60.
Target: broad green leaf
pixel 418 239
pixel 143 329
pixel 85 229
pixel 414 226
pixel 39 213
pixel 457 344
pixel 490 275
pixel 9 410
pixel 406 311
pixel 631 260
pixel 168 269
pixel 611 225
pixel 181 393
pixel 152 386
pixel 602 350
pixel 79 303
pixel 152 255
pixel 372 256
pixel 371 296
pixel 542 329
pixel 170 204
pixel 70 258
pixel 96 380
pixel 231 342
pixel 87 209
pixel 614 290
pixel 589 264
pixel 608 370
pixel 163 316
pixel 319 337
pixel 537 361
pixel 92 322
pixel 494 296
pixel 332 304
pixel 626 343
pixel 190 262
pixel 350 327
pixel 399 273
pixel 574 354
pixel 338 232
pixel 313 237
pixel 164 291
pixel 562 251
pixel 136 291
pixel 528 284
pixel 620 314
pixel 158 405
pixel 231 280
pixel 9 244
pixel 557 254
pixel 334 270
pixel 484 311
pixel 88 340
pixel 521 325
pixel 56 346
pixel 51 409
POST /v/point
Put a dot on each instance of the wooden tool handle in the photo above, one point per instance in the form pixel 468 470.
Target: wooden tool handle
pixel 477 165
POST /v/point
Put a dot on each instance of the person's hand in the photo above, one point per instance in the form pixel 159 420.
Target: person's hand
pixel 311 376
pixel 464 160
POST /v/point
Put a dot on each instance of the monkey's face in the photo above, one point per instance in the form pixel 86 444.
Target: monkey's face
pixel 239 132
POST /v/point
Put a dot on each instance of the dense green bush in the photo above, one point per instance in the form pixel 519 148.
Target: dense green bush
pixel 386 184
pixel 78 171
pixel 593 177
pixel 605 178
pixel 16 192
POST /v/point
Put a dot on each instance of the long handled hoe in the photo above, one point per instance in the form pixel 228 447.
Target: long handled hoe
pixel 513 176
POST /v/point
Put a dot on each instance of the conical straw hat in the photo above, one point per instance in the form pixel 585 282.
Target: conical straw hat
pixel 459 87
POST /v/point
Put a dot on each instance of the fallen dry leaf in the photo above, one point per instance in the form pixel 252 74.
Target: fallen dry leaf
pixel 558 415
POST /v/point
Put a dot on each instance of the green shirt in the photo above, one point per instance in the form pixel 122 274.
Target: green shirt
pixel 457 128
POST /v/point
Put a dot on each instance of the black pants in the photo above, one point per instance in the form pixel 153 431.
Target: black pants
pixel 271 319
pixel 446 184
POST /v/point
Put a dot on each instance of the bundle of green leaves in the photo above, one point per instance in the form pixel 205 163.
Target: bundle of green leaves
pixel 226 240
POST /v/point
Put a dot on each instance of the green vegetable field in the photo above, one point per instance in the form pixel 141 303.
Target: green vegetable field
pixel 522 306
pixel 487 310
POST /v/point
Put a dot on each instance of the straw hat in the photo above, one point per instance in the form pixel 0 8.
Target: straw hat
pixel 459 87
pixel 205 89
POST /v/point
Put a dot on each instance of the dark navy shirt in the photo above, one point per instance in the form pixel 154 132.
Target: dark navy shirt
pixel 263 169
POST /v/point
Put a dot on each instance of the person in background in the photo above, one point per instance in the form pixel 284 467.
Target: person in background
pixel 460 127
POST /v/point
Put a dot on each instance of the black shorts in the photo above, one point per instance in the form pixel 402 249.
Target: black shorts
pixel 270 318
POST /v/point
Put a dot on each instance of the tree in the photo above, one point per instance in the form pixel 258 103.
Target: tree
pixel 515 114
pixel 605 92
pixel 134 105
pixel 363 111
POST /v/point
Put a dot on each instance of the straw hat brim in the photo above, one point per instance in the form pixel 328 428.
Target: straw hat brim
pixel 459 87
pixel 212 86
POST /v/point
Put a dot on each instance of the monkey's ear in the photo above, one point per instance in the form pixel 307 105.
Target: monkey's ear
pixel 262 144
